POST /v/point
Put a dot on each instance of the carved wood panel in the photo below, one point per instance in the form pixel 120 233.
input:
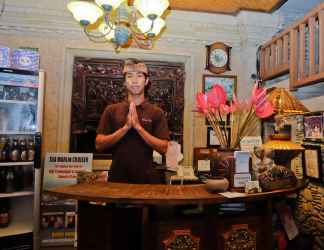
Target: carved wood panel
pixel 181 239
pixel 99 82
pixel 240 237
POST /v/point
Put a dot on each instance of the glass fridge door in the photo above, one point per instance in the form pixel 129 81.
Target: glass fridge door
pixel 18 101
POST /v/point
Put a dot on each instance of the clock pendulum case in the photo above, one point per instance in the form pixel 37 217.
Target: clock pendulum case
pixel 218 57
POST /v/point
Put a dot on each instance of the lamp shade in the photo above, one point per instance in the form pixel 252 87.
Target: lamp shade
pixel 145 25
pixel 109 4
pixel 151 8
pixel 284 102
pixel 85 12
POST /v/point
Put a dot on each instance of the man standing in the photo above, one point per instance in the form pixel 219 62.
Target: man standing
pixel 133 129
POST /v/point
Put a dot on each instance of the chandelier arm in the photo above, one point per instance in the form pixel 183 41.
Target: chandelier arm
pixel 93 36
pixel 109 20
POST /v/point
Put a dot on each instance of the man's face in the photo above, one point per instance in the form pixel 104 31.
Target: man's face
pixel 135 82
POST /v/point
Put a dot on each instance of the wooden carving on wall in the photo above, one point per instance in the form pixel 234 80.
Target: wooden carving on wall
pixel 99 82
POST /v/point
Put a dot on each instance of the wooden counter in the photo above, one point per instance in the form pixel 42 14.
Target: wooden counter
pixel 116 226
pixel 147 194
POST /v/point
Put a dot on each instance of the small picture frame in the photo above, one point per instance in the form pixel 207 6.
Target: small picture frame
pixel 227 81
pixel 313 126
pixel 312 162
pixel 268 129
pixel 212 140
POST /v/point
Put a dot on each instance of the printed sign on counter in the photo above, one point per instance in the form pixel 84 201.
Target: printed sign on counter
pixel 203 165
pixel 61 169
pixel 240 179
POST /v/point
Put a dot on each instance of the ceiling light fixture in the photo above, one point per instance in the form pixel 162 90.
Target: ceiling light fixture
pixel 120 23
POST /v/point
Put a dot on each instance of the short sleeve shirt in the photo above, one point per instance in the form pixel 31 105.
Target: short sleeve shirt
pixel 132 160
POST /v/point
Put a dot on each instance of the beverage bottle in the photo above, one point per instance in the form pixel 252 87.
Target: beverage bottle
pixel 5 152
pixel 2 179
pixel 4 213
pixel 10 180
pixel 2 149
pixel 31 150
pixel 23 150
pixel 15 152
pixel 18 178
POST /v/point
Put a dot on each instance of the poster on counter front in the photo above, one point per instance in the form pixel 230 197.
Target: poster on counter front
pixel 61 169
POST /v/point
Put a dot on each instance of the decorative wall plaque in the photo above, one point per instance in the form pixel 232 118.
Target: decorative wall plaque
pixel 99 82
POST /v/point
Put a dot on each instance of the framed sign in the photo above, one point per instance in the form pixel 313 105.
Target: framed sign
pixel 227 81
pixel 313 126
pixel 312 162
pixel 212 140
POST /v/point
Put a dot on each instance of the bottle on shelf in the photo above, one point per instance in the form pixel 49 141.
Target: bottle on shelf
pixel 3 179
pixel 5 149
pixel 23 150
pixel 2 145
pixel 28 178
pixel 4 213
pixel 30 150
pixel 15 152
pixel 10 180
pixel 18 178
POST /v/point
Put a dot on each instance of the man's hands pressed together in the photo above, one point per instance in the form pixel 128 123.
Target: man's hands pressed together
pixel 132 118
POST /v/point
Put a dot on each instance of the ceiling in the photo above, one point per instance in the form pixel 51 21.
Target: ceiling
pixel 226 6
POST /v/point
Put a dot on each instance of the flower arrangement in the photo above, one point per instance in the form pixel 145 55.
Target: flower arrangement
pixel 243 114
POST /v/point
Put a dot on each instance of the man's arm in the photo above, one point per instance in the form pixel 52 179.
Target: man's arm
pixel 106 141
pixel 157 144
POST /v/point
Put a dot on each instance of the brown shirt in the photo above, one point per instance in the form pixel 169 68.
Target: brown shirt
pixel 132 156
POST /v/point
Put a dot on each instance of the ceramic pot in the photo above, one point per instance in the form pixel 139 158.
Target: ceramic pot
pixel 216 184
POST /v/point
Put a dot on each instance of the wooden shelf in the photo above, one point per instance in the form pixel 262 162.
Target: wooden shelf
pixel 18 163
pixel 17 194
pixel 9 132
pixel 19 102
pixel 17 227
pixel 21 217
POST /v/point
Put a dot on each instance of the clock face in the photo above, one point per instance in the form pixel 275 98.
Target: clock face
pixel 218 57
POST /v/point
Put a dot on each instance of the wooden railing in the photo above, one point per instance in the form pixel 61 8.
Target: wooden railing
pixel 298 50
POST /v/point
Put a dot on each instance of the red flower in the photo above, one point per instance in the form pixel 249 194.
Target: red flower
pixel 216 96
pixel 202 104
pixel 263 108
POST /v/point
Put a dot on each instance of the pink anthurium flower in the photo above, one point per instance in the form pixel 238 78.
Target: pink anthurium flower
pixel 216 96
pixel 202 104
pixel 244 113
pixel 258 95
pixel 264 110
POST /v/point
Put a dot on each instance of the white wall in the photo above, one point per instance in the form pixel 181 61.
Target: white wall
pixel 47 25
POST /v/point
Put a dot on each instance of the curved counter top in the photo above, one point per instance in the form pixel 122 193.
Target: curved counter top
pixel 153 194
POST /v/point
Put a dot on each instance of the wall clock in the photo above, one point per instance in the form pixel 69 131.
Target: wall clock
pixel 218 57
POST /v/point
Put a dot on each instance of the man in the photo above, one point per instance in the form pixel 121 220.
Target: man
pixel 133 129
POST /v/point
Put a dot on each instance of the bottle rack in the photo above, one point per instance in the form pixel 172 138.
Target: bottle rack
pixel 20 91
